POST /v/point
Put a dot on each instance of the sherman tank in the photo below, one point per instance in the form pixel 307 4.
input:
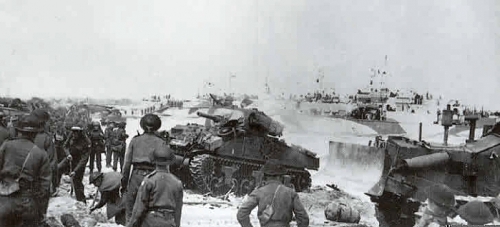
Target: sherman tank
pixel 472 171
pixel 226 154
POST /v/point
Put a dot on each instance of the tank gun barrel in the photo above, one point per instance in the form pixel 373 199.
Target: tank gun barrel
pixel 427 160
pixel 215 118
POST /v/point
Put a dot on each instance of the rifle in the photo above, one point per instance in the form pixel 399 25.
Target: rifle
pixel 71 178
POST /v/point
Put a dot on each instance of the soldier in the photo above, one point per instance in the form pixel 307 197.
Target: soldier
pixel 118 145
pixel 97 140
pixel 4 132
pixel 475 213
pixel 77 149
pixel 108 134
pixel 45 141
pixel 440 205
pixel 140 155
pixel 159 199
pixel 108 184
pixel 284 200
pixel 22 160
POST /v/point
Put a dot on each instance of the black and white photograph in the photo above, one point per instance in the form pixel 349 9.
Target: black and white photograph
pixel 272 113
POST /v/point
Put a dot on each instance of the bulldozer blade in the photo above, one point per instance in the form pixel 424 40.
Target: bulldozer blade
pixel 356 163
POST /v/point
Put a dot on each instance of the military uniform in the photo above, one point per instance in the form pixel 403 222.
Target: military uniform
pixel 79 149
pixel 109 187
pixel 23 207
pixel 159 199
pixel 97 140
pixel 140 155
pixel 108 135
pixel 285 203
pixel 118 146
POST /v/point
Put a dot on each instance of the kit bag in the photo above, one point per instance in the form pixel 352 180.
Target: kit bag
pixel 9 185
pixel 268 212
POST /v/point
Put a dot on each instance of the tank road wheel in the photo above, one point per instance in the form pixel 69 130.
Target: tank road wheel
pixel 246 186
pixel 201 168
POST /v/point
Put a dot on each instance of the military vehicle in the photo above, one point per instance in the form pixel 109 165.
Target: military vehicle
pixel 373 117
pixel 227 152
pixel 113 116
pixel 409 167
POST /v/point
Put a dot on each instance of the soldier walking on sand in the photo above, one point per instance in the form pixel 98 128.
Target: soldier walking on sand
pixel 25 175
pixel 284 201
pixel 159 199
pixel 139 156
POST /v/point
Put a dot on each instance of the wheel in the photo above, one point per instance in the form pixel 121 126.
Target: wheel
pixel 246 187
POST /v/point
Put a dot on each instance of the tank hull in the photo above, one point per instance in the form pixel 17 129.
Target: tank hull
pixel 216 158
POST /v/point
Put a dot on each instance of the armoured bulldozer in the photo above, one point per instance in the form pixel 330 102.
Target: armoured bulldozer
pixel 226 154
pixel 471 170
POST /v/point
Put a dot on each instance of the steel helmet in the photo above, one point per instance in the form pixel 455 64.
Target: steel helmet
pixel 163 155
pixel 441 195
pixel 94 176
pixel 475 213
pixel 150 122
pixel 28 123
pixel 41 114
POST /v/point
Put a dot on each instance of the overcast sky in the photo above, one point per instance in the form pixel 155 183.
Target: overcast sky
pixel 125 48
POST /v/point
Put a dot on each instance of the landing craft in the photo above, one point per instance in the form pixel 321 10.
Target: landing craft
pixel 226 154
pixel 408 167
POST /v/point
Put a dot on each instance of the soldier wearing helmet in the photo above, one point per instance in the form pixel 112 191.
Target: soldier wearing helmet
pixel 159 198
pixel 139 155
pixel 475 213
pixel 4 132
pixel 118 145
pixel 108 184
pixel 440 205
pixel 287 200
pixel 23 161
pixel 108 135
pixel 97 139
pixel 44 140
pixel 77 148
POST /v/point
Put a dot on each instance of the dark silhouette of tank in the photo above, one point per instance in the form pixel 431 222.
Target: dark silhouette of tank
pixel 226 154
pixel 472 171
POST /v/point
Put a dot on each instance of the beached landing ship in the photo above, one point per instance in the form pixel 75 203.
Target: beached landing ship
pixel 227 153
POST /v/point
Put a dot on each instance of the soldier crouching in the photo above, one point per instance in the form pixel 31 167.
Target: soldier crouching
pixel 108 184
pixel 26 177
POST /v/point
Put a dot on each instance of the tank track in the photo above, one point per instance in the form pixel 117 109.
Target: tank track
pixel 208 177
